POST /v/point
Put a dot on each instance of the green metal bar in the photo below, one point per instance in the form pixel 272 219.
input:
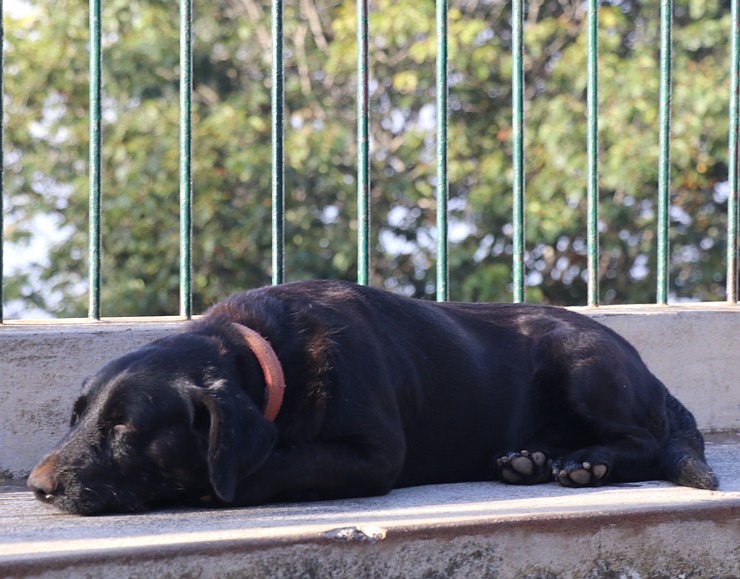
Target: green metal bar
pixel 517 26
pixel 593 153
pixel 732 200
pixel 442 181
pixel 278 140
pixel 363 146
pixel 664 172
pixel 186 139
pixel 2 158
pixel 94 239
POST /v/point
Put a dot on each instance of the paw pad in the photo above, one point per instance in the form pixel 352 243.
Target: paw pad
pixel 524 467
pixel 580 475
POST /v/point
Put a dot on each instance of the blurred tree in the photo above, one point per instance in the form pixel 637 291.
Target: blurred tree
pixel 47 138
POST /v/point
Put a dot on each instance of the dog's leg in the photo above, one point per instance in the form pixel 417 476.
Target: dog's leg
pixel 624 458
pixel 628 459
pixel 605 413
pixel 657 446
pixel 321 471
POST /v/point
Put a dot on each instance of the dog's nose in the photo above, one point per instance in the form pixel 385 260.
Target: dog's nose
pixel 42 480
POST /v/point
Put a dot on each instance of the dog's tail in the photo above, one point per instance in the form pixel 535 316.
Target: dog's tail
pixel 685 463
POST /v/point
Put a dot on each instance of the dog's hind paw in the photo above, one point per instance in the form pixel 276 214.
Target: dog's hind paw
pixel 524 467
pixel 694 472
pixel 582 474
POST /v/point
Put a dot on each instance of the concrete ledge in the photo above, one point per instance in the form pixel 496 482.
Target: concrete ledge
pixel 693 349
pixel 462 531
pixel 468 530
pixel 42 368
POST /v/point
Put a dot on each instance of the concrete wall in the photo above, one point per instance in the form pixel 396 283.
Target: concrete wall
pixel 693 349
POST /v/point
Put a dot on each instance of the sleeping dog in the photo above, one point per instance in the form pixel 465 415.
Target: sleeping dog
pixel 323 390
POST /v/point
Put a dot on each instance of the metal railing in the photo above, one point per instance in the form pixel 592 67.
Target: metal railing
pixel 363 156
pixel 2 156
pixel 732 201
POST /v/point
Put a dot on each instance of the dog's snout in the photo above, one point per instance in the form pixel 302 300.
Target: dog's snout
pixel 42 480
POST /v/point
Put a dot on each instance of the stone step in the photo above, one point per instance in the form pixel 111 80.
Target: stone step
pixel 469 530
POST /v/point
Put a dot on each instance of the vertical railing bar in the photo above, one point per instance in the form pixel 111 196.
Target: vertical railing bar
pixel 593 153
pixel 442 178
pixel 664 172
pixel 734 137
pixel 94 239
pixel 278 140
pixel 363 145
pixel 186 176
pixel 2 160
pixel 517 26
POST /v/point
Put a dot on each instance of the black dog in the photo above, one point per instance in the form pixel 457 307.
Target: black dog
pixel 381 391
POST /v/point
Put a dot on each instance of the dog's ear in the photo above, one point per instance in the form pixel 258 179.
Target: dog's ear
pixel 239 438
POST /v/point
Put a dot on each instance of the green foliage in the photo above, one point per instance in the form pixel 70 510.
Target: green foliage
pixel 47 139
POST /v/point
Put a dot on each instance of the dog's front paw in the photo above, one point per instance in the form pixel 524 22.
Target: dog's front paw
pixel 524 467
pixel 578 474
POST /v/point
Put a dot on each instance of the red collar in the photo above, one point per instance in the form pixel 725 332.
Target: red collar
pixel 274 377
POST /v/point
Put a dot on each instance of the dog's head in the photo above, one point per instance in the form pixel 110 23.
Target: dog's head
pixel 168 423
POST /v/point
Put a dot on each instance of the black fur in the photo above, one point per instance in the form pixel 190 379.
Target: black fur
pixel 382 392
